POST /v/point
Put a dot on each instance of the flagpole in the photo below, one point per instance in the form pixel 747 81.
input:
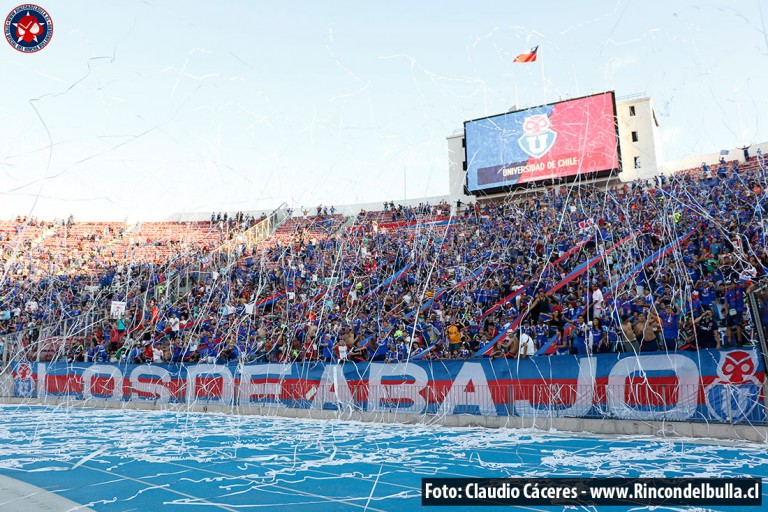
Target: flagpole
pixel 543 79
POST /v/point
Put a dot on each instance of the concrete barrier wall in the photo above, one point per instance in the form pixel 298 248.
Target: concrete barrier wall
pixel 665 429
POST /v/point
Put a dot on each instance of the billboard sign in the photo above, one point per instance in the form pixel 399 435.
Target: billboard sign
pixel 560 140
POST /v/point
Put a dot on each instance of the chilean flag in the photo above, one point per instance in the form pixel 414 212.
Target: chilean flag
pixel 527 57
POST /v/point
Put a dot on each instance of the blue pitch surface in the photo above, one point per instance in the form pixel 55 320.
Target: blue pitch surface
pixel 122 460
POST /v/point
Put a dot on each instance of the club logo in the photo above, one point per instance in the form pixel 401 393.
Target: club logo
pixel 23 381
pixel 538 136
pixel 24 371
pixel 736 390
pixel 28 28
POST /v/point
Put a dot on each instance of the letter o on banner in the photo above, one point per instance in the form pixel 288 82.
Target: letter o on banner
pixel 687 388
pixel 227 384
pixel 102 369
pixel 159 389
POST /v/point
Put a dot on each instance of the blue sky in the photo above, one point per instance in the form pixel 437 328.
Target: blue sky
pixel 141 109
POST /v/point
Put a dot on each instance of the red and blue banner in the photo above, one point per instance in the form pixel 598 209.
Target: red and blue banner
pixel 388 281
pixel 653 258
pixel 578 271
pixel 268 301
pixel 709 385
pixel 484 350
pixel 573 250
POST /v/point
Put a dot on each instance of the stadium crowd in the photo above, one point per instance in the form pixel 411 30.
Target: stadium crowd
pixel 578 269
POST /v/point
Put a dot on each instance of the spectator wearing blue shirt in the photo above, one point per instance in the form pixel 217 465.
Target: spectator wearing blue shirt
pixel 101 355
pixel 91 351
pixel 326 347
pixel 402 350
pixel 723 169
pixel 542 334
pixel 598 337
pixel 579 333
pixel 393 355
pixel 177 351
pixel 707 294
pixel 136 354
pixel 670 326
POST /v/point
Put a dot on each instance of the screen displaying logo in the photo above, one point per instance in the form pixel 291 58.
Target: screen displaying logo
pixel 558 140
pixel 538 136
pixel 28 28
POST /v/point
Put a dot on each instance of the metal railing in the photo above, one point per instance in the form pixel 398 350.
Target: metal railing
pixel 244 242
pixel 40 344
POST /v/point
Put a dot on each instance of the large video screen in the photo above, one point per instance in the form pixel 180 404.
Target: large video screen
pixel 552 141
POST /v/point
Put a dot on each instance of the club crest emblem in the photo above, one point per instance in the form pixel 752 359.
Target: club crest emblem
pixel 538 136
pixel 23 380
pixel 735 392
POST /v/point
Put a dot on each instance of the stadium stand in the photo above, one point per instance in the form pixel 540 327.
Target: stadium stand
pixel 578 269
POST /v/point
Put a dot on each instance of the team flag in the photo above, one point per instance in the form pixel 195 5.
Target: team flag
pixel 528 57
